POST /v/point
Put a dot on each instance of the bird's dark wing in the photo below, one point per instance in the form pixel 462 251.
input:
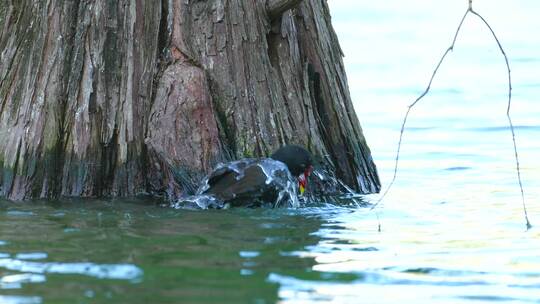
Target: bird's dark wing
pixel 230 186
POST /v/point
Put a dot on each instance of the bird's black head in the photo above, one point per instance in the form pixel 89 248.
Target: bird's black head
pixel 299 162
pixel 297 159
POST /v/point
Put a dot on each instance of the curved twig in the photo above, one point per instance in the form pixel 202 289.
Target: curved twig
pixel 528 224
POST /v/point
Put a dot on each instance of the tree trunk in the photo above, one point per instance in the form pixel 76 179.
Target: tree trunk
pixel 120 97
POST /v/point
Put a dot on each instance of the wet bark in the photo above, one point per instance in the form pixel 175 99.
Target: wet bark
pixel 116 98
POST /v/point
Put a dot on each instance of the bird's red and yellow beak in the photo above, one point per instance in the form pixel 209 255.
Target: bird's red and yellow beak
pixel 302 180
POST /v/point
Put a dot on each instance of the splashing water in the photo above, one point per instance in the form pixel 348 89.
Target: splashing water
pixel 323 186
pixel 278 180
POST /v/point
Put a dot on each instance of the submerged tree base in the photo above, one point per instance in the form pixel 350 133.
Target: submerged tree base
pixel 115 98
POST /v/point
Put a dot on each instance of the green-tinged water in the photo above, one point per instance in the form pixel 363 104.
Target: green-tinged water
pixel 452 226
pixel 136 252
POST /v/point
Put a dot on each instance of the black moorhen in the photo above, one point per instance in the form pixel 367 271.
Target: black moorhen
pixel 259 182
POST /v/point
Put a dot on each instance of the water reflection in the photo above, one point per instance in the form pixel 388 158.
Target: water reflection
pixel 375 289
pixel 15 281
pixel 417 261
pixel 31 255
pixel 19 300
pixel 100 271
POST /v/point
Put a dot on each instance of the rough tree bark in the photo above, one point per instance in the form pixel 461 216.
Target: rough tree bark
pixel 120 97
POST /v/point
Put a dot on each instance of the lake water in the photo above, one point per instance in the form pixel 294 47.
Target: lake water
pixel 452 226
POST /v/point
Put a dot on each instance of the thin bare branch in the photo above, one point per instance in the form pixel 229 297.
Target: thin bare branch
pixel 450 48
pixel 528 223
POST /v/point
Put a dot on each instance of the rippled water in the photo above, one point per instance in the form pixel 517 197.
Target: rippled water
pixel 452 226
